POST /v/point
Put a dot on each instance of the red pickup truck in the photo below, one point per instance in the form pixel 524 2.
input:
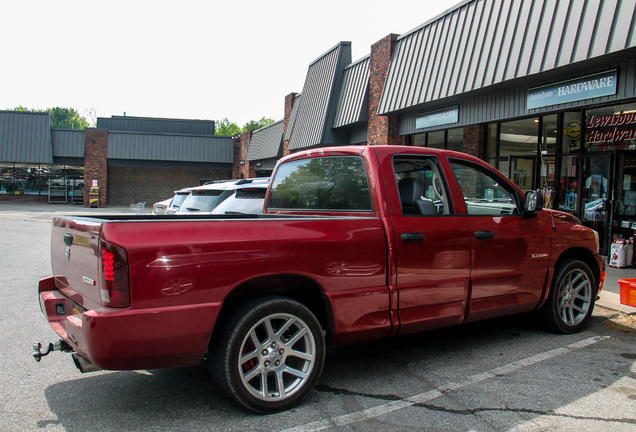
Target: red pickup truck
pixel 355 243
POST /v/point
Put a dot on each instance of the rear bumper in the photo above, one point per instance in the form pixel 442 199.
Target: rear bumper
pixel 127 339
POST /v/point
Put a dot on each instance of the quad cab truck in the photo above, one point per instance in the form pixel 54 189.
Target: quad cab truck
pixel 355 244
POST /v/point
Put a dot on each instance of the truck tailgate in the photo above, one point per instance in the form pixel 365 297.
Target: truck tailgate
pixel 75 257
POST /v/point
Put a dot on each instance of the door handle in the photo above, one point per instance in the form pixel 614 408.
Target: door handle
pixel 484 235
pixel 412 237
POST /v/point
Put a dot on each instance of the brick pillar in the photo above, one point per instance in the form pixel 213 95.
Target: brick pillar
pixel 475 139
pixel 96 164
pixel 382 130
pixel 236 166
pixel 246 170
pixel 285 145
pixel 289 104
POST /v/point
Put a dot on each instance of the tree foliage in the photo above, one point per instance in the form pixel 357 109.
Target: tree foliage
pixel 227 128
pixel 257 124
pixel 62 118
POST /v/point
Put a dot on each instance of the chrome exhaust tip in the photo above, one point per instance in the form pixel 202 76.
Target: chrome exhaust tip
pixel 84 365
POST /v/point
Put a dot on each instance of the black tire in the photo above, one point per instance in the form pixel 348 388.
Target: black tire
pixel 571 299
pixel 252 357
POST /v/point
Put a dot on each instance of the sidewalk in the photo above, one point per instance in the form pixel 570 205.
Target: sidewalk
pixel 608 298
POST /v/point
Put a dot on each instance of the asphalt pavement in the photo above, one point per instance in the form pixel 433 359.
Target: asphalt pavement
pixel 609 297
pixel 497 375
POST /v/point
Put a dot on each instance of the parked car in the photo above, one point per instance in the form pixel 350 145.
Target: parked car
pixel 246 199
pixel 204 199
pixel 160 207
pixel 171 205
pixel 177 200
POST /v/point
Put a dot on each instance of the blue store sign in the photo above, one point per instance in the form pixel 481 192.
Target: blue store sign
pixel 437 118
pixel 589 87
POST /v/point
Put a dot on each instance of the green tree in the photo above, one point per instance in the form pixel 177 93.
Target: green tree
pixel 62 118
pixel 226 128
pixel 67 118
pixel 257 124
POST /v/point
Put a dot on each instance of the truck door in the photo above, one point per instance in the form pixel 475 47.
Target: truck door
pixel 432 247
pixel 510 251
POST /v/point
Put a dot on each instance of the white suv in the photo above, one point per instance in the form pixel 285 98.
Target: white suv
pixel 204 199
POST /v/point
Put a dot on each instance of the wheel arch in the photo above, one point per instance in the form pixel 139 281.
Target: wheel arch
pixel 584 255
pixel 300 288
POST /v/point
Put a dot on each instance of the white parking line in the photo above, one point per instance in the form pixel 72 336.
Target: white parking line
pixel 433 394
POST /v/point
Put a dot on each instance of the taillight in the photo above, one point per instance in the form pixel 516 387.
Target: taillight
pixel 113 271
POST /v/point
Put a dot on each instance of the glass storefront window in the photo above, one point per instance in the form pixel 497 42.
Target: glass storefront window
pixel 419 140
pixel 611 128
pixel 455 139
pixel 452 139
pixel 26 179
pixel 547 174
pixel 571 133
pixel 491 144
pixel 519 138
pixel 436 139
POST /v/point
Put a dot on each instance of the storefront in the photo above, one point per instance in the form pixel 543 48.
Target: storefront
pixel 584 162
pixel 59 183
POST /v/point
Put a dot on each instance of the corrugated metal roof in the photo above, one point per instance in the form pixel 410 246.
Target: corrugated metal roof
pixel 353 104
pixel 156 125
pixel 143 146
pixel 266 142
pixel 505 102
pixel 68 142
pixel 316 112
pixel 292 118
pixel 485 42
pixel 25 137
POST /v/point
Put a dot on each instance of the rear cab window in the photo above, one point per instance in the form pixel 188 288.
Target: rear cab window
pixel 330 184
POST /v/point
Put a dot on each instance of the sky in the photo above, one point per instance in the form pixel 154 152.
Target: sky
pixel 187 59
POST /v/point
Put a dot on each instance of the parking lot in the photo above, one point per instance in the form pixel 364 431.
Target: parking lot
pixel 504 374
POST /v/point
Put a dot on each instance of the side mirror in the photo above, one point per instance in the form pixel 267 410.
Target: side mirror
pixel 534 202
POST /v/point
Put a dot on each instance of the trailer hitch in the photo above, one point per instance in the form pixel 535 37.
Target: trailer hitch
pixel 53 346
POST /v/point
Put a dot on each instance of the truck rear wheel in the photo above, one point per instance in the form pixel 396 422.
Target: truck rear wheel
pixel 269 354
pixel 571 299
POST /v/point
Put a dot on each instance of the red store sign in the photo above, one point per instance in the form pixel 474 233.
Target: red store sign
pixel 614 131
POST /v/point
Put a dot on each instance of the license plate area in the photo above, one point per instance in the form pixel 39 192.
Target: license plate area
pixel 76 309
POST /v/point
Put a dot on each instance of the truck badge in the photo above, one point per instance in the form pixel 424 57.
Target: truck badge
pixel 68 253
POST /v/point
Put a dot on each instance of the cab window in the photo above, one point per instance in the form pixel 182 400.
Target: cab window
pixel 421 186
pixel 335 183
pixel 483 192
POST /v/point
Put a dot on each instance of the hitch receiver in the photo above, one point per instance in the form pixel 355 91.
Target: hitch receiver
pixel 53 346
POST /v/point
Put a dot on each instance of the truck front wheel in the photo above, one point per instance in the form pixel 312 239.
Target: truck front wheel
pixel 269 354
pixel 571 299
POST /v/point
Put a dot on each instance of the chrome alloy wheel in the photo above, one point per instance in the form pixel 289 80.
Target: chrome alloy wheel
pixel 575 297
pixel 277 357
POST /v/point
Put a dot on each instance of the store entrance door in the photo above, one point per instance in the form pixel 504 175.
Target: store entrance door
pixel 624 216
pixel 523 171
pixel 596 191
